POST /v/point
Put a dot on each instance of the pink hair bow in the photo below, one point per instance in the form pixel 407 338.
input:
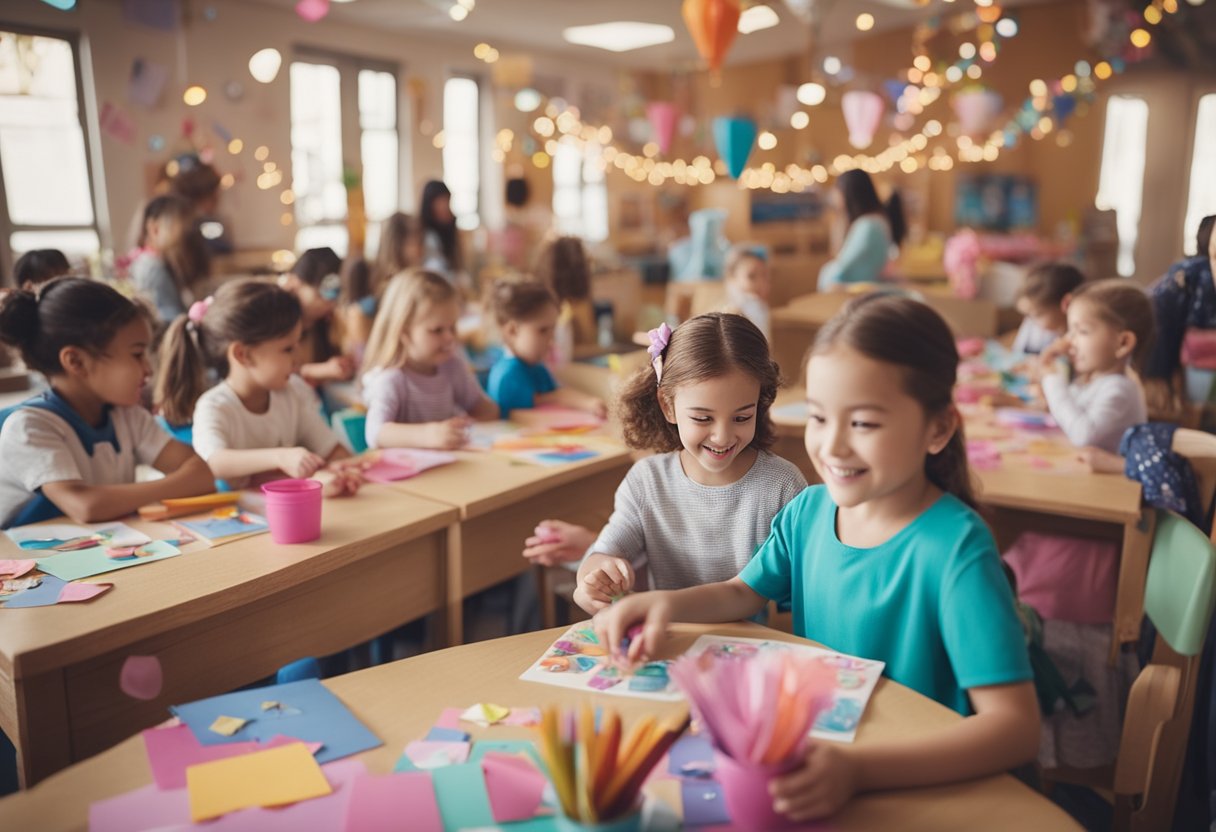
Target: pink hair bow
pixel 198 309
pixel 659 339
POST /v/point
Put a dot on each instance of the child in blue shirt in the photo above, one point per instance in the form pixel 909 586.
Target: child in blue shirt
pixel 886 560
pixel 526 313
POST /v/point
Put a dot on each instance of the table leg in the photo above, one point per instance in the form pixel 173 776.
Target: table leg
pixel 1133 572
pixel 39 708
pixel 452 622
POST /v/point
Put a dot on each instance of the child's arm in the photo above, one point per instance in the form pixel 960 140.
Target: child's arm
pixel 556 541
pixel 485 410
pixel 338 368
pixel 1002 734
pixel 601 578
pixel 1102 421
pixel 233 464
pixel 576 399
pixel 446 435
pixel 186 475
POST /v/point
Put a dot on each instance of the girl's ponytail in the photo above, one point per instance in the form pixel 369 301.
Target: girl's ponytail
pixel 948 469
pixel 181 377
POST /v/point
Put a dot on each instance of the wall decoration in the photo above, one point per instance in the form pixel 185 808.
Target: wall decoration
pixel 147 82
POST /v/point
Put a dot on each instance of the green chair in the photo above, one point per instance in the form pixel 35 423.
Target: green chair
pixel 1178 599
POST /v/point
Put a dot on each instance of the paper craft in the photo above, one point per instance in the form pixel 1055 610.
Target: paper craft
pixel 274 777
pixel 16 568
pixel 173 749
pixel 393 802
pixel 440 734
pixel 514 786
pixel 485 714
pixel 460 791
pixel 524 717
pixel 146 808
pixel 51 591
pixel 393 464
pixel 215 531
pixel 578 661
pixel 84 563
pixel 19 584
pixel 994 445
pixel 63 537
pixel 146 82
pixel 704 803
pixel 321 718
pixel 425 754
pixel 227 726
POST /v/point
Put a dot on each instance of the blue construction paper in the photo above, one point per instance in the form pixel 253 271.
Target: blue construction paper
pixel 216 528
pixel 461 793
pixel 322 718
pixel 441 734
pixel 72 566
pixel 692 755
pixel 44 595
pixel 703 803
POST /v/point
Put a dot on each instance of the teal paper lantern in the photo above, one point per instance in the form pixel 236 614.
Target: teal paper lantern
pixel 734 137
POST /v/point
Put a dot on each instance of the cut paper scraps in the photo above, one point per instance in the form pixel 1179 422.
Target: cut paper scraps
pixel 1011 439
pixel 63 537
pixel 514 786
pixel 393 802
pixel 578 661
pixel 425 754
pixel 275 777
pixel 543 445
pixel 84 563
pixel 309 713
pixel 15 568
pixel 394 464
pixel 485 714
pixel 227 726
pixel 51 590
pixel 141 677
pixel 171 750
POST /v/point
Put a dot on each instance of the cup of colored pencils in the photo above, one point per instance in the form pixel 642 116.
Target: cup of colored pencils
pixel 758 711
pixel 598 774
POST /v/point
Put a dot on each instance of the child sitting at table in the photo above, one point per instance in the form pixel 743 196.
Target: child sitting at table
pixel 696 510
pixel 73 449
pixel 419 390
pixel 1071 582
pixel 39 266
pixel 747 285
pixel 526 314
pixel 316 283
pixel 1043 301
pixel 561 264
pixel 887 560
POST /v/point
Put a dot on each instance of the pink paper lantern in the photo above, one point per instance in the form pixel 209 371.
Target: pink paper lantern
pixel 312 10
pixel 975 109
pixel 663 117
pixel 862 113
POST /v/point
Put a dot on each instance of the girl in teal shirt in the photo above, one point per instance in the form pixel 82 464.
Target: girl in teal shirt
pixel 887 560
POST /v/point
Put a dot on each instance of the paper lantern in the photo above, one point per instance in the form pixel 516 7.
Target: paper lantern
pixel 713 25
pixel 734 137
pixel 312 10
pixel 663 117
pixel 975 109
pixel 862 113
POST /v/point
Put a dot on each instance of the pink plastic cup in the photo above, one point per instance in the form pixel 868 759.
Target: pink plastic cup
pixel 745 788
pixel 293 510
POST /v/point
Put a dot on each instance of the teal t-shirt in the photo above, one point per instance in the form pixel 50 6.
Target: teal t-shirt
pixel 932 602
pixel 514 383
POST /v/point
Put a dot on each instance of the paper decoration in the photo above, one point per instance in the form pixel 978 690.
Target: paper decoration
pixel 15 568
pixel 174 749
pixel 147 82
pixel 141 677
pixel 116 124
pixel 713 25
pixel 312 10
pixel 265 778
pixel 514 787
pixel 393 802
pixel 51 591
pixel 734 137
pixel 663 117
pixel 976 109
pixel 578 661
pixel 862 113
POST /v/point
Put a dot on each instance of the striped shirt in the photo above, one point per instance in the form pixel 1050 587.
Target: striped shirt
pixel 690 534
pixel 402 395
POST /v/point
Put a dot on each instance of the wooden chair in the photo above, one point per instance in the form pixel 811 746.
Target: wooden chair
pixel 1200 450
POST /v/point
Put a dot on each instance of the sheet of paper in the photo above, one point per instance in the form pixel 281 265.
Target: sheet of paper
pixel 461 794
pixel 514 786
pixel 692 755
pixel 440 734
pixel 48 536
pixel 146 808
pixel 704 803
pixel 426 754
pixel 84 563
pixel 274 777
pixel 450 718
pixel 16 568
pixel 310 713
pixel 171 750
pixel 393 802
pixel 578 661
pixel 393 464
pixel 53 591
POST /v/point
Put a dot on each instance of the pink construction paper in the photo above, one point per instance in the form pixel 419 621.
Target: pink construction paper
pixel 75 591
pixel 450 718
pixel 146 808
pixel 402 463
pixel 421 751
pixel 383 804
pixel 523 716
pixel 141 676
pixel 514 786
pixel 16 568
pixel 171 750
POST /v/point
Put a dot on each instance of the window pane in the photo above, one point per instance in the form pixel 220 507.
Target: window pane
pixel 316 144
pixel 42 149
pixel 595 194
pixel 76 243
pixel 1121 182
pixel 377 99
pixel 320 236
pixel 1202 200
pixel 379 173
pixel 461 157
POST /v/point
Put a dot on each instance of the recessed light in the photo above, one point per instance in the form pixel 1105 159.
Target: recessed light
pixel 757 18
pixel 619 36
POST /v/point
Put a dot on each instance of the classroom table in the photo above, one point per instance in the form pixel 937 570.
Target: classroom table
pixel 1105 506
pixel 216 619
pixel 400 701
pixel 501 500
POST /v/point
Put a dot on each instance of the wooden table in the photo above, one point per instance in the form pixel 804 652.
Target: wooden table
pixel 1105 506
pixel 500 501
pixel 488 671
pixel 217 619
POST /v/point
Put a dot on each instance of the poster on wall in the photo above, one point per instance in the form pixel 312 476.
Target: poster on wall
pixel 996 202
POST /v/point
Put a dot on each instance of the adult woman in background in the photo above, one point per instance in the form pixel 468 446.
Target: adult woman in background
pixel 874 231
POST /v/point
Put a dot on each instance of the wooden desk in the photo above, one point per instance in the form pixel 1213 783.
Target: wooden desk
pixel 488 671
pixel 217 619
pixel 1090 505
pixel 500 501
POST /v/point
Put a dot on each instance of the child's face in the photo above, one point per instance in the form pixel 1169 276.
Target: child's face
pixel 442 207
pixel 411 248
pixel 271 363
pixel 751 278
pixel 119 374
pixel 866 437
pixel 312 304
pixel 716 419
pixel 532 339
pixel 1048 316
pixel 163 231
pixel 431 338
pixel 1095 346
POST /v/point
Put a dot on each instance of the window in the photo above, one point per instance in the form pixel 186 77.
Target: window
pixel 1202 200
pixel 332 96
pixel 45 185
pixel 580 196
pixel 1121 181
pixel 461 154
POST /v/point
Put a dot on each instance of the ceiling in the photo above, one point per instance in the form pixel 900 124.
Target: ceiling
pixel 537 25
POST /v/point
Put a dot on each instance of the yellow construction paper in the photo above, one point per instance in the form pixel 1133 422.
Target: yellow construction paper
pixel 495 713
pixel 226 726
pixel 270 705
pixel 275 777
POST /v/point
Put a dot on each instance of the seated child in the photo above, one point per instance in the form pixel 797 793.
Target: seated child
pixel 526 314
pixel 747 285
pixel 315 281
pixel 1043 300
pixel 36 267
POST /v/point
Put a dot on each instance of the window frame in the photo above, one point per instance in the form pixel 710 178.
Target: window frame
pixel 1202 92
pixel 480 132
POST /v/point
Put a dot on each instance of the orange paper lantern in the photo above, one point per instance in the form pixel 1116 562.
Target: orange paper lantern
pixel 713 25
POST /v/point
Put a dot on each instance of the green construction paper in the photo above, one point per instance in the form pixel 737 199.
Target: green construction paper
pixel 72 566
pixel 461 793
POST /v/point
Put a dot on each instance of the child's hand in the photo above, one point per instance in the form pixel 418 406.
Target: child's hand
pixel 599 587
pixel 1101 461
pixel 449 434
pixel 340 480
pixel 300 463
pixel 650 610
pixel 825 781
pixel 342 367
pixel 557 542
pixel 596 407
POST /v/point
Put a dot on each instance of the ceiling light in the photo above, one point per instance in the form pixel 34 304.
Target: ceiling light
pixel 458 13
pixel 811 94
pixel 194 95
pixel 1006 27
pixel 865 22
pixel 264 65
pixel 527 100
pixel 620 36
pixel 799 120
pixel 757 18
pixel 832 65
